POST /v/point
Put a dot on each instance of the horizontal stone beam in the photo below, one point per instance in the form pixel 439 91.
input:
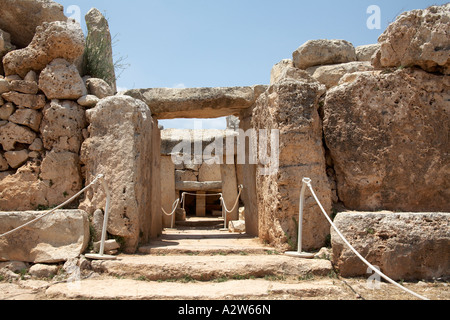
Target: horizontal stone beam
pixel 193 186
pixel 200 103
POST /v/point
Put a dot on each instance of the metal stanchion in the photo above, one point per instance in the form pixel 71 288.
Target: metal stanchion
pixel 101 255
pixel 299 253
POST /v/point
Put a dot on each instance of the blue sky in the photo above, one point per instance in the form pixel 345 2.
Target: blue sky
pixel 222 43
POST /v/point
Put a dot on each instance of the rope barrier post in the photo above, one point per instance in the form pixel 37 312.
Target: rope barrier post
pixel 299 253
pixel 101 255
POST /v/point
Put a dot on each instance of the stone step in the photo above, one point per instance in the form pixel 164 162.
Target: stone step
pixel 126 289
pixel 201 223
pixel 207 268
pixel 204 242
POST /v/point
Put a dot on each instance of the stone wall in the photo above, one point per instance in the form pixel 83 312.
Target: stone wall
pixel 53 119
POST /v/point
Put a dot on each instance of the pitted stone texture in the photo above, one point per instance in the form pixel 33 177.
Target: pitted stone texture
pixel 323 52
pixel 292 108
pixel 418 38
pixel 120 147
pixel 21 17
pixel 11 133
pixel 61 80
pixel 52 40
pixel 388 137
pixel 202 103
pixel 62 126
pixel 408 246
pixel 58 237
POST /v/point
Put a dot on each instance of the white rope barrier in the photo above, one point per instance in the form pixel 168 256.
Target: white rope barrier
pixel 53 210
pixel 307 182
pixel 182 202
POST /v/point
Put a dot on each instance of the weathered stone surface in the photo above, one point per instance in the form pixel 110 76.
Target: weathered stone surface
pixel 61 80
pixel 209 172
pixel 88 101
pixel 168 192
pixel 4 85
pixel 120 147
pixel 237 226
pixel 27 117
pixel 285 70
pixel 366 52
pixel 99 56
pixel 22 86
pixel 99 88
pixel 388 137
pixel 182 175
pixel 61 170
pixel 408 246
pixel 323 52
pixel 195 186
pixel 292 108
pixel 331 75
pixel 25 100
pixel 418 38
pixel 55 238
pixel 5 46
pixel 42 271
pixel 16 158
pixel 229 191
pixel 199 103
pixel 52 40
pixel 6 111
pixel 12 133
pixel 62 126
pixel 37 145
pixel 21 17
pixel 3 163
pixel 22 190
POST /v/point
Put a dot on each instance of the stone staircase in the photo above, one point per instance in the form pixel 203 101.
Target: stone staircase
pixel 199 261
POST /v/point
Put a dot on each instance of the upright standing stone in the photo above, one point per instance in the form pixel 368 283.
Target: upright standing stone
pixel 292 108
pixel 230 190
pixel 168 193
pixel 200 210
pixel 121 147
pixel 99 55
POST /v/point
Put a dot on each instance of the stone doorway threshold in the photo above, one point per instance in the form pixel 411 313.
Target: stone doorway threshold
pixel 198 237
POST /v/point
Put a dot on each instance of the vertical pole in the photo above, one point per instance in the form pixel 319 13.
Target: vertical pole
pixel 300 253
pixel 106 217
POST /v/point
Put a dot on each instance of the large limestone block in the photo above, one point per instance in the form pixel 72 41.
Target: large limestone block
pixel 21 17
pixel 418 38
pixel 5 44
pixel 61 80
pixel 332 74
pixel 56 238
pixel 405 246
pixel 62 172
pixel 388 138
pixel 323 52
pixel 62 126
pixel 11 133
pixel 120 147
pixel 292 108
pixel 285 70
pixel 168 192
pixel 31 101
pixel 52 40
pixel 27 117
pixel 366 52
pixel 202 103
